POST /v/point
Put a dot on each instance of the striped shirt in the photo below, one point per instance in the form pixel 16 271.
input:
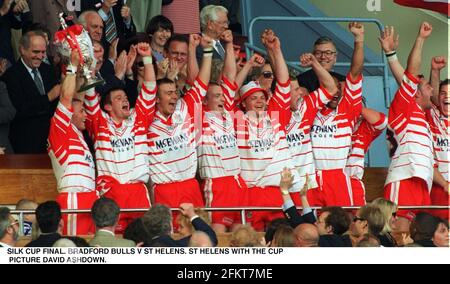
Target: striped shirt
pixel 72 161
pixel 298 134
pixel 218 153
pixel 439 125
pixel 363 136
pixel 414 155
pixel 173 140
pixel 262 144
pixel 121 150
pixel 331 133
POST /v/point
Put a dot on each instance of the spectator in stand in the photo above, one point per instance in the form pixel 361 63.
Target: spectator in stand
pixel 9 229
pixel 93 24
pixel 256 62
pixel 33 90
pixel 185 227
pixel 158 224
pixel 214 22
pixel 332 224
pixel 184 15
pixel 48 216
pixel 174 65
pixel 233 8
pixel 284 237
pixel 245 236
pixel 116 20
pixel 28 219
pixel 368 220
pixel 105 214
pixel 136 232
pixel 306 235
pixel 7 113
pixel 430 231
pixel 160 30
pixel 272 227
pixel 326 53
pixel 389 210
pixel 13 15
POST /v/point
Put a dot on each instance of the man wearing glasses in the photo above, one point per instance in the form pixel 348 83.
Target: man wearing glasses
pixel 325 52
pixel 9 229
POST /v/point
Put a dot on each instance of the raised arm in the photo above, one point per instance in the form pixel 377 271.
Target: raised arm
pixel 437 64
pixel 325 79
pixel 230 68
pixel 415 57
pixel 205 70
pixel 356 68
pixel 69 85
pixel 273 47
pixel 192 65
pixel 390 42
pixel 256 61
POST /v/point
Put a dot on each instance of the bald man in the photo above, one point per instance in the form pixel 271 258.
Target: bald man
pixel 306 235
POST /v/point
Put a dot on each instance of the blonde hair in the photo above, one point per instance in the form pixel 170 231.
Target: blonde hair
pixel 244 236
pixel 386 207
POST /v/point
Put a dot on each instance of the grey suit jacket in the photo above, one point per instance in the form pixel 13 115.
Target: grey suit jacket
pixel 107 240
pixel 7 113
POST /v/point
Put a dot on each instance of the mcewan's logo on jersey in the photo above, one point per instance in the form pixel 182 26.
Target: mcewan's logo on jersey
pixel 295 139
pixel 225 141
pixel 442 142
pixel 173 143
pixel 324 131
pixel 122 144
pixel 262 145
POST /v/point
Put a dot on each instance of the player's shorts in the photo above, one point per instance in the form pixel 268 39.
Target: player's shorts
pixel 269 196
pixel 359 192
pixel 334 189
pixel 225 192
pixel 77 224
pixel 408 192
pixel 440 197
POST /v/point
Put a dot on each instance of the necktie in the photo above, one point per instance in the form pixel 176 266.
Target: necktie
pixel 111 31
pixel 220 50
pixel 38 82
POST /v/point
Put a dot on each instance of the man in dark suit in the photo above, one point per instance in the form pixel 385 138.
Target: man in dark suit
pixel 7 113
pixel 116 17
pixel 9 228
pixel 214 22
pixel 48 216
pixel 12 16
pixel 158 224
pixel 33 90
pixel 326 53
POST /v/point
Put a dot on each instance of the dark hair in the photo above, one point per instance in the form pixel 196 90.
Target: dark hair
pixel 337 219
pixel 424 226
pixel 135 231
pixel 159 22
pixel 391 139
pixel 324 40
pixel 178 38
pixel 272 228
pixel 157 221
pixel 105 212
pixel 163 81
pixel 444 83
pixel 48 216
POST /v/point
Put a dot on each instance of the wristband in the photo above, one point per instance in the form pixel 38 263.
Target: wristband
pixel 392 53
pixel 392 58
pixel 147 60
pixel 70 69
pixel 210 54
pixel 208 50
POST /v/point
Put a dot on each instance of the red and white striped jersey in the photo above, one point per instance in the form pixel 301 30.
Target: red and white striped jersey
pixel 218 153
pixel 414 155
pixel 72 161
pixel 363 136
pixel 298 134
pixel 439 125
pixel 173 140
pixel 121 150
pixel 331 133
pixel 262 145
